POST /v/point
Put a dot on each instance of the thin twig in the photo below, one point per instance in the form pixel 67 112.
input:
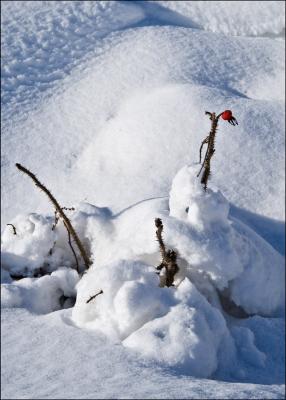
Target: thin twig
pixel 92 297
pixel 51 249
pixel 14 229
pixel 74 253
pixel 69 226
pixel 202 145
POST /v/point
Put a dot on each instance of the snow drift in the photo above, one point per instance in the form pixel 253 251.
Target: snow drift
pixel 218 255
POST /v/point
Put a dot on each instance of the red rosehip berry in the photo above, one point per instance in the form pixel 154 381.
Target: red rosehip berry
pixel 227 115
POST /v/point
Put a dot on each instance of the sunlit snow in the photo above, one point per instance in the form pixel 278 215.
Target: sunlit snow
pixel 105 102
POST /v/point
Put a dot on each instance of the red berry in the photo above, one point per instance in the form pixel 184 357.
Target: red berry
pixel 227 115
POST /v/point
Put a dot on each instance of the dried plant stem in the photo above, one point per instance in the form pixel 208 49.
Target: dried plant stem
pixel 92 297
pixel 56 220
pixel 14 229
pixel 60 211
pixel 169 258
pixel 210 140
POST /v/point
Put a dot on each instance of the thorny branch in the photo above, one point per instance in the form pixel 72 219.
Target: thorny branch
pixel 61 213
pixel 210 140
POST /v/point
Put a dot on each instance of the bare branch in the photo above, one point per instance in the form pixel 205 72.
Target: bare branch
pixel 58 208
pixel 169 259
pixel 74 253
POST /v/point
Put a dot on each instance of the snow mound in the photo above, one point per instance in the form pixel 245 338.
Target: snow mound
pixel 118 130
pixel 36 247
pixel 42 295
pixel 171 326
pixel 246 18
pixel 216 250
pixel 188 337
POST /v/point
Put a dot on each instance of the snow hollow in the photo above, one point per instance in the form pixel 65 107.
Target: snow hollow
pixel 180 292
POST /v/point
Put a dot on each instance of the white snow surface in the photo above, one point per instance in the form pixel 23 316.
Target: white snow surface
pixel 108 133
pixel 105 102
pixel 238 18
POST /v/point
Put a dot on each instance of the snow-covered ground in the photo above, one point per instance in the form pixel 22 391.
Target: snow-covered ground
pixel 105 102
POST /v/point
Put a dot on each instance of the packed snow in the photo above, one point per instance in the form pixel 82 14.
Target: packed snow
pixel 105 102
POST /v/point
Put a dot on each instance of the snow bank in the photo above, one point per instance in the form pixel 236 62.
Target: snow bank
pixel 246 18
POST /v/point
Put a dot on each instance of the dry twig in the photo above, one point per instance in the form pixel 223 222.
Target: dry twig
pixel 92 297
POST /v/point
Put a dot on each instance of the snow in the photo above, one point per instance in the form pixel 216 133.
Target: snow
pixel 182 327
pixel 44 41
pixel 127 102
pixel 41 295
pixel 187 337
pixel 78 363
pixel 105 102
pixel 233 17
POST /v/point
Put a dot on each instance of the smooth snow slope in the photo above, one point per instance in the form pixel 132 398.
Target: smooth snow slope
pixel 117 119
pixel 56 364
pixel 43 41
